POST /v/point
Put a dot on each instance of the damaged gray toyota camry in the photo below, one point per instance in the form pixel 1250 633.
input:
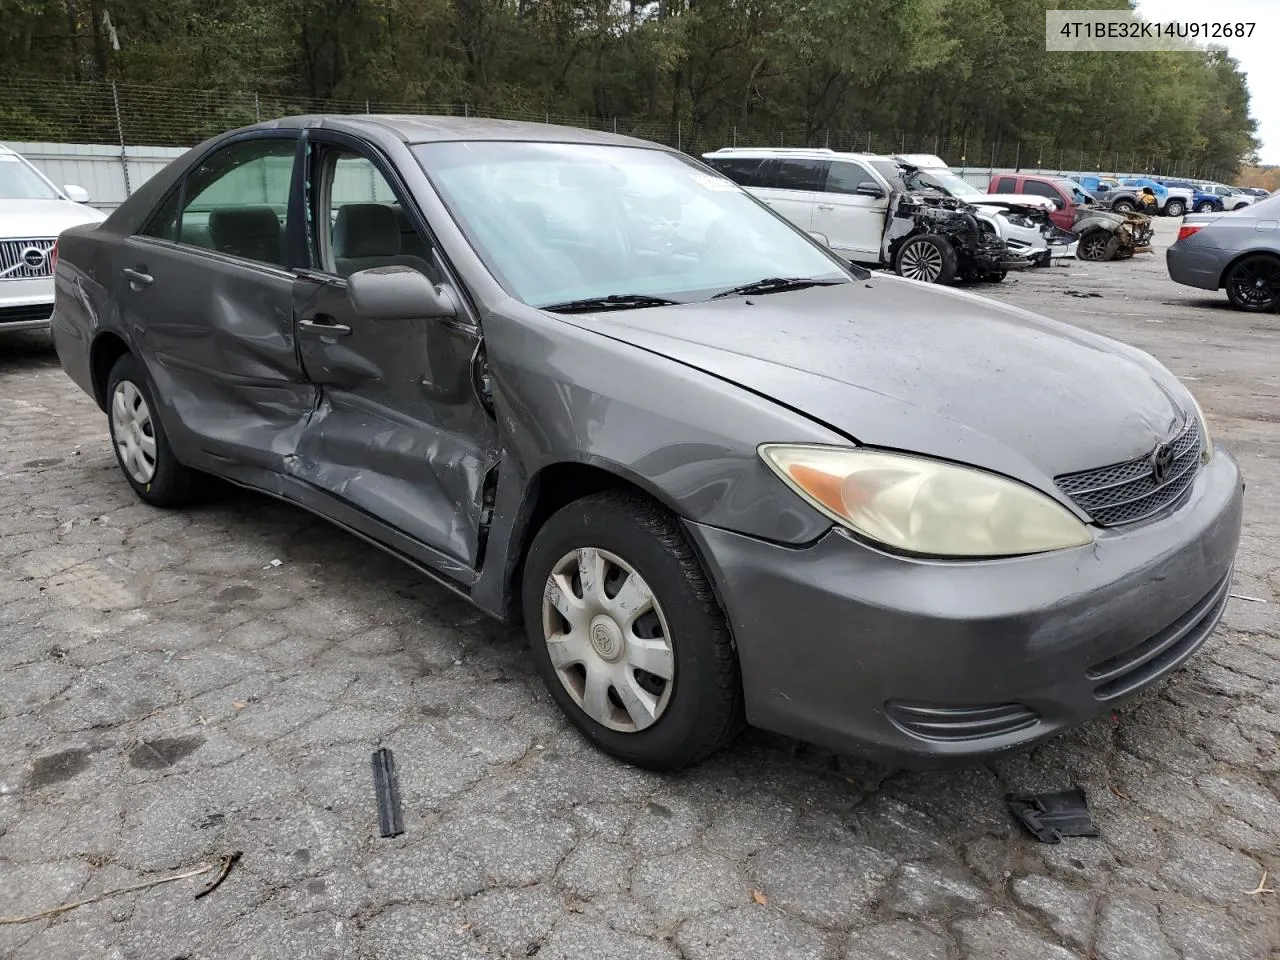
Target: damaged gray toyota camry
pixel 722 477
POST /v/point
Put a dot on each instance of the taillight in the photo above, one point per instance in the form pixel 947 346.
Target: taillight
pixel 53 257
pixel 1187 231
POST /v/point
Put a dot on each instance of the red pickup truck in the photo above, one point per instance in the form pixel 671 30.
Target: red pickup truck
pixel 1104 234
pixel 1065 194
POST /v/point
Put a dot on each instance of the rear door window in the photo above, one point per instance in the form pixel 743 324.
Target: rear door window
pixel 747 171
pixel 802 174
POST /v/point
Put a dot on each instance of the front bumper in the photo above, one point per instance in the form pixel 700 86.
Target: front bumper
pixel 26 304
pixel 917 662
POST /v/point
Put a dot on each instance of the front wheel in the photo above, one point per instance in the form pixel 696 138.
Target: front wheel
pixel 627 634
pixel 1097 245
pixel 1124 206
pixel 1175 208
pixel 927 257
pixel 1253 283
pixel 141 445
pixel 1205 206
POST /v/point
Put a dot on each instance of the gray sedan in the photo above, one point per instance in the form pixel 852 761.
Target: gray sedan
pixel 1238 251
pixel 719 475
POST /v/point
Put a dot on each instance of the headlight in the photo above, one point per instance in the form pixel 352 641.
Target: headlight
pixel 1206 453
pixel 925 506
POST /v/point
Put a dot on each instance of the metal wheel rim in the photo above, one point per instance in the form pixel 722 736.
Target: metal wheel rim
pixel 922 261
pixel 133 432
pixel 593 604
pixel 1175 209
pixel 1092 247
pixel 1256 286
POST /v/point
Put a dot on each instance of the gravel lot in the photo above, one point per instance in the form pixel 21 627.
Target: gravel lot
pixel 168 694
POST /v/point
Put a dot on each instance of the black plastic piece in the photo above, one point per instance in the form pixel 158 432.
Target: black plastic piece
pixel 387 787
pixel 1052 816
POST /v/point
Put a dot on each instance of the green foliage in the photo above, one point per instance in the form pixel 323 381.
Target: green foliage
pixel 970 76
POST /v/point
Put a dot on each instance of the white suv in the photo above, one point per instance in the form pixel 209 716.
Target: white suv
pixel 843 196
pixel 32 214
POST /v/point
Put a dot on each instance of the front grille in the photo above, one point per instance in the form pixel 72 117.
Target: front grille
pixel 1144 662
pixel 31 312
pixel 25 259
pixel 1128 492
pixel 951 724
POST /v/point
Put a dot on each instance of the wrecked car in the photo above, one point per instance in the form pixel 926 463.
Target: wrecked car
pixel 1111 235
pixel 726 483
pixel 1077 210
pixel 1023 222
pixel 937 238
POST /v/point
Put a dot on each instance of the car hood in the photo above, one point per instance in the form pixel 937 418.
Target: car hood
pixel 1013 201
pixel 43 218
pixel 909 366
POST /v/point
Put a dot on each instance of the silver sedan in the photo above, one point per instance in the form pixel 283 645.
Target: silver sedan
pixel 1238 251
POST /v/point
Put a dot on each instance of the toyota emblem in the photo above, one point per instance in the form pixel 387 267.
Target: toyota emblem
pixel 34 257
pixel 1162 462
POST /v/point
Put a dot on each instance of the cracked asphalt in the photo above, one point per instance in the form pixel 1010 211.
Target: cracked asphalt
pixel 169 694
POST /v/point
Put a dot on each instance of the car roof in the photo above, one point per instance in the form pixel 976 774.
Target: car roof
pixel 804 153
pixel 413 128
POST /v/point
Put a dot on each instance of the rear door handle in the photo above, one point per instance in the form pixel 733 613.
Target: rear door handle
pixel 324 327
pixel 137 278
pixel 825 206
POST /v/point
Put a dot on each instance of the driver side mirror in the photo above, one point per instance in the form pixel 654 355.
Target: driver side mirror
pixel 869 188
pixel 398 293
pixel 74 193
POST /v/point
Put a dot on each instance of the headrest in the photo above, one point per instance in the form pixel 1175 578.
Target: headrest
pixel 366 230
pixel 230 227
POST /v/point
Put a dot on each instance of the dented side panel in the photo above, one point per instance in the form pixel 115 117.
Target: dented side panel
pixel 399 430
pixel 217 337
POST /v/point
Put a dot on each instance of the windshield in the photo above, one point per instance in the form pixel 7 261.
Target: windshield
pixel 955 185
pixel 559 222
pixel 20 182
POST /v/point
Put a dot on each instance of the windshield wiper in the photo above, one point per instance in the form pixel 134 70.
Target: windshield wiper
pixel 774 285
pixel 615 301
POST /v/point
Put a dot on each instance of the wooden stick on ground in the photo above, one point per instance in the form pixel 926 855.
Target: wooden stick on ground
pixel 206 868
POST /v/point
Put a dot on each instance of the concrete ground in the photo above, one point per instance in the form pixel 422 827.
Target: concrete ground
pixel 169 694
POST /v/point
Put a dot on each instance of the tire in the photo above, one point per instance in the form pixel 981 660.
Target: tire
pixel 1253 283
pixel 1045 259
pixel 1097 245
pixel 694 712
pixel 132 418
pixel 927 257
pixel 1175 208
pixel 1205 206
pixel 1124 206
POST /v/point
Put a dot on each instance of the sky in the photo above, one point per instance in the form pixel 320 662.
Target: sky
pixel 1259 56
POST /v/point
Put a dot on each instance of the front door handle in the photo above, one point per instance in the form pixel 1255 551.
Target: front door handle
pixel 137 278
pixel 324 327
pixel 825 206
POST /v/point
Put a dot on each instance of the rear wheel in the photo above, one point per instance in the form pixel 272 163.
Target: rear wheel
pixel 627 634
pixel 926 257
pixel 141 445
pixel 1175 208
pixel 1253 283
pixel 1097 245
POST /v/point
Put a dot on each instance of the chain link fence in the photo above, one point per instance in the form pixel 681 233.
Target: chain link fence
pixel 130 115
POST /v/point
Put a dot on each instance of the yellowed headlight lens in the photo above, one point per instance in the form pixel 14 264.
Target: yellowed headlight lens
pixel 925 506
